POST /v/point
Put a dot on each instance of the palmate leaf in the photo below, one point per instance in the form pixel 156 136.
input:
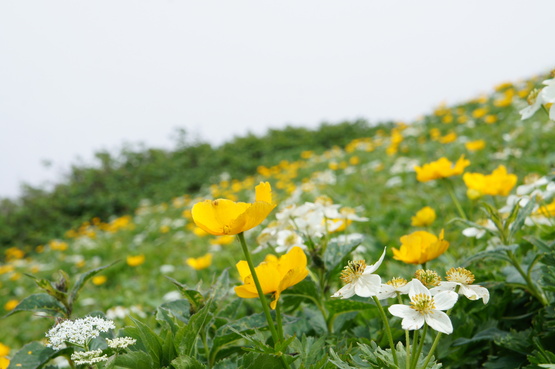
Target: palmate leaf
pixel 40 302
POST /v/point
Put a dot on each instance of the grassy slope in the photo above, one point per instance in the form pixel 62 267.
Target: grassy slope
pixel 374 174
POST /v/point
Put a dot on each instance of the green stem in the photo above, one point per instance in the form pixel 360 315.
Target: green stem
pixel 432 349
pixel 387 329
pixel 206 348
pixel 420 346
pixel 407 336
pixel 261 296
pixel 413 357
pixel 537 293
pixel 279 322
pixel 451 191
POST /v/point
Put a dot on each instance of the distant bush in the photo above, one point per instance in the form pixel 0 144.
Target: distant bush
pixel 117 182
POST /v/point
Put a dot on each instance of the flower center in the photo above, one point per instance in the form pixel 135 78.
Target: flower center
pixel 397 282
pixel 460 275
pixel 428 277
pixel 353 270
pixel 422 303
pixel 532 97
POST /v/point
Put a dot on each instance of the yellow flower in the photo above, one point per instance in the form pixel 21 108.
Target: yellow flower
pixel 475 145
pixel 498 183
pixel 97 280
pixel 274 274
pixel 490 119
pixel 222 240
pixel 424 217
pixel 4 362
pixel 225 217
pixel 200 263
pixel 420 247
pixel 134 261
pixel 10 305
pixel 58 245
pixel 441 168
pixel 4 350
pixel 448 138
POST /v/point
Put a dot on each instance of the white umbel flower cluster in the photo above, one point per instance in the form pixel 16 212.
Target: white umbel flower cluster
pixel 120 342
pixel 77 331
pixel 88 357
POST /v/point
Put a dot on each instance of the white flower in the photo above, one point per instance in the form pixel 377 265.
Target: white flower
pixel 287 239
pixel 120 342
pixel 548 95
pixel 77 331
pixel 360 280
pixel 464 279
pixel 425 308
pixel 88 357
pixel 393 288
pixel 535 101
pixel 479 232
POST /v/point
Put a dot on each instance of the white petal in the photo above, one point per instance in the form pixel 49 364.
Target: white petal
pixel 439 321
pixel 345 292
pixel 386 292
pixel 372 268
pixel 412 319
pixel 416 287
pixel 475 292
pixel 445 300
pixel 368 285
pixel 444 286
pixel 471 232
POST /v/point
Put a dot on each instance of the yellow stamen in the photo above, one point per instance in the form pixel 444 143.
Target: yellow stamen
pixel 460 275
pixel 353 271
pixel 422 303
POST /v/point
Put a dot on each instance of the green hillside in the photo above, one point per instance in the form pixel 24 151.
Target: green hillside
pixel 342 194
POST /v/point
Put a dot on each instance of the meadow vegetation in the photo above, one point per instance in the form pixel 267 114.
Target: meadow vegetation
pixel 424 244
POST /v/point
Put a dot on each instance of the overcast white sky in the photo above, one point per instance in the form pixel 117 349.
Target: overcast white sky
pixel 80 76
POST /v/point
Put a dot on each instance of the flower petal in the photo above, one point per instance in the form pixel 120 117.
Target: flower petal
pixel 475 292
pixel 412 319
pixel 345 292
pixel 368 285
pixel 416 287
pixel 372 268
pixel 439 321
pixel 445 300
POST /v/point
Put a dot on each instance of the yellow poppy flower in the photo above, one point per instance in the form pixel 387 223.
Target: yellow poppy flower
pixel 498 183
pixel 441 168
pixel 134 261
pixel 274 274
pixel 4 362
pixel 424 217
pixel 420 247
pixel 4 350
pixel 200 263
pixel 225 217
pixel 475 145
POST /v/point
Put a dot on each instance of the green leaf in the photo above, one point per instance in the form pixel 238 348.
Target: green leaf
pixel 151 341
pixel 186 337
pixel 187 362
pixel 339 306
pixel 195 298
pixel 336 251
pixel 540 244
pixel 221 287
pixel 34 355
pixel 135 360
pixel 521 217
pixel 497 253
pixel 40 302
pixel 173 312
pixel 82 278
pixel 47 286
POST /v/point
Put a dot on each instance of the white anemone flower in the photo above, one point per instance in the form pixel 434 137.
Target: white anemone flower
pixel 360 279
pixel 548 95
pixel 535 102
pixel 393 288
pixel 463 278
pixel 425 308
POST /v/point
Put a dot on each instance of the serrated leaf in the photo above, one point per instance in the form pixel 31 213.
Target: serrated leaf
pixel 47 286
pixel 40 302
pixel 195 298
pixel 187 336
pixel 173 312
pixel 187 362
pixel 34 355
pixel 221 287
pixel 151 341
pixel 135 360
pixel 81 279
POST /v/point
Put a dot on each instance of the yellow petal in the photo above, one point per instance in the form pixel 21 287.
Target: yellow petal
pixel 263 192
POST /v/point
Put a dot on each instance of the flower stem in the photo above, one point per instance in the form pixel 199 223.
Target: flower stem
pixel 261 296
pixel 534 290
pixel 432 349
pixel 420 346
pixel 279 322
pixel 407 337
pixel 387 329
pixel 451 191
